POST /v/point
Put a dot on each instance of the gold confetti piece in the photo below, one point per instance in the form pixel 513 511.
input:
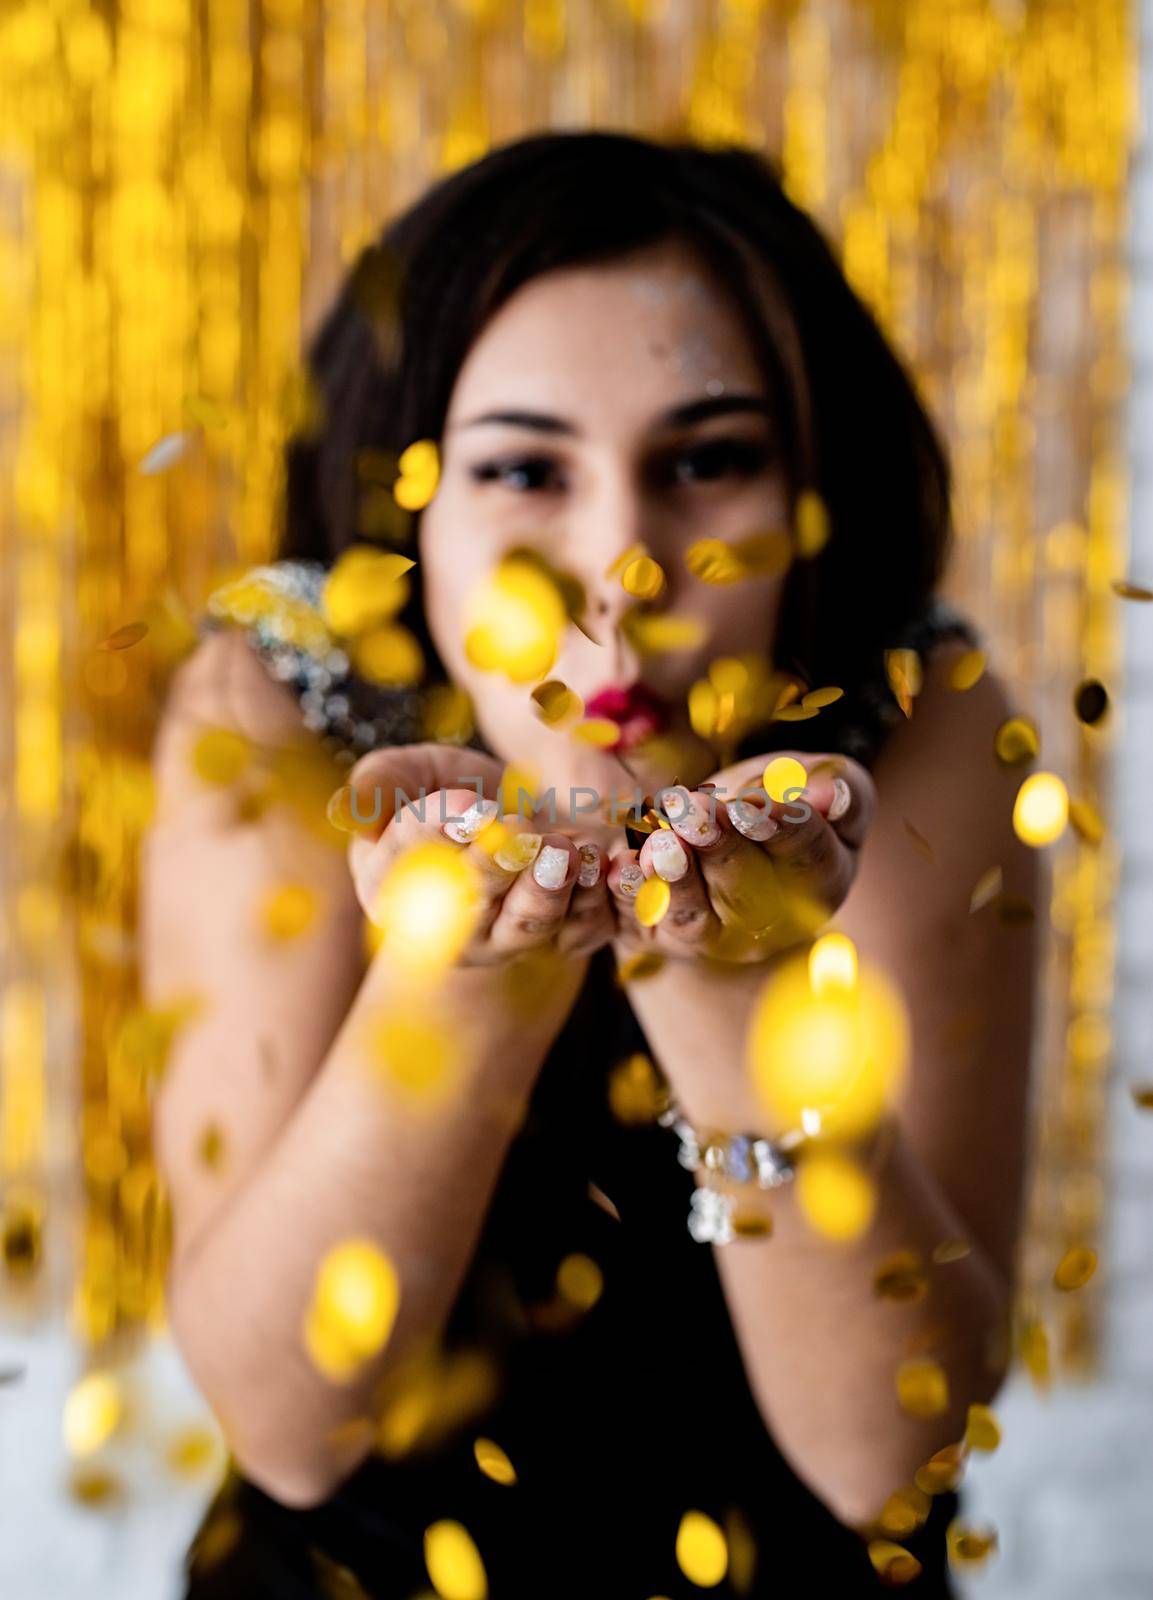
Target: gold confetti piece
pixel 982 1430
pixel 1090 701
pixel 1075 1268
pixel 836 1194
pixel 987 888
pixel 211 1146
pixel 514 620
pixel 811 523
pixel 902 1277
pixel 783 778
pixel 453 1562
pixel 417 1055
pixel 166 453
pixel 969 1546
pixel 922 1387
pixel 904 672
pixel 951 1250
pixel 366 587
pixel 742 1551
pixel 842 1053
pixel 353 1308
pixel 652 901
pixel 1142 1095
pixel 919 840
pixel 943 1471
pixel 658 633
pixel 288 912
pixel 92 1413
pixel 1041 809
pixel 819 698
pixel 124 638
pixel 215 1538
pixel 600 1198
pixel 493 1461
pixel 388 656
pixel 643 578
pixel 633 553
pixel 764 555
pixel 645 964
pixel 635 1089
pixel 701 1550
pixel 967 670
pixel 795 713
pixel 1034 1348
pixel 557 704
pixel 193 1451
pixel 895 1566
pixel 419 475
pixel 1087 821
pixel 713 561
pixel 220 755
pixel 1016 742
pixel 580 1281
pixel 429 905
pixel 904 1512
pixel 1131 591
pixel 704 708
pixel 597 731
pixel 95 1486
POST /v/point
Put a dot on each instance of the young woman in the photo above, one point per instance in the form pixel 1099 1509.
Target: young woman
pixel 616 345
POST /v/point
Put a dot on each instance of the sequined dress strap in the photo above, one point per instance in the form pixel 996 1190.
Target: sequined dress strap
pixel 280 607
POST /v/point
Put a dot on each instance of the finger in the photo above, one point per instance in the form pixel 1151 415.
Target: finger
pixel 690 922
pixel 534 907
pixel 625 877
pixel 589 922
pixel 383 782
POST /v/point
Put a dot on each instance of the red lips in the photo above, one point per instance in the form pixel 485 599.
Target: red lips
pixel 639 712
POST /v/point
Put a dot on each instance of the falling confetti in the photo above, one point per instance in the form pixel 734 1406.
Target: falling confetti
pixel 92 1413
pixel 893 1563
pixel 902 1277
pixel 643 578
pixel 811 524
pixel 967 670
pixel 419 475
pixel 987 888
pixel 288 912
pixel 1016 742
pixel 969 1546
pixel 836 1194
pixel 514 621
pixel 922 1387
pixel 166 453
pixel 353 1308
pixel 493 1461
pixel 124 638
pixel 220 755
pixel 783 778
pixel 388 656
pixel 580 1281
pixel 1041 809
pixel 701 1550
pixel 1075 1268
pixel 652 902
pixel 635 1090
pixel 1131 591
pixel 454 1563
pixel 904 672
pixel 1090 701
pixel 429 906
pixel 982 1430
pixel 365 587
pixel 557 705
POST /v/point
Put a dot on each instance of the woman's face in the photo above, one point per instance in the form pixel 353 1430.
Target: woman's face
pixel 604 407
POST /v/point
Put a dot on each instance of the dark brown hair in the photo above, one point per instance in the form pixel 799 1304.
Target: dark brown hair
pixel 384 361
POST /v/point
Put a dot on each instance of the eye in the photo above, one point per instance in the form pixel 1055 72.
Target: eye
pixel 716 458
pixel 523 474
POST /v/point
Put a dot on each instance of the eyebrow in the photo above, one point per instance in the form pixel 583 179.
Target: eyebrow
pixel 682 416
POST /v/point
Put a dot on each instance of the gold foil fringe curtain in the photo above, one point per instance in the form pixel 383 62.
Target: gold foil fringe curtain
pixel 181 188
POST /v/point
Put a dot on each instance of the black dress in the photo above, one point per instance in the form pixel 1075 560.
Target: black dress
pixel 618 1420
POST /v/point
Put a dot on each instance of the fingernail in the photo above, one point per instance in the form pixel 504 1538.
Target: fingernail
pixel 755 822
pixel 590 867
pixel 697 825
pixel 520 851
pixel 465 828
pixel 842 800
pixel 551 867
pixel 667 854
pixel 631 878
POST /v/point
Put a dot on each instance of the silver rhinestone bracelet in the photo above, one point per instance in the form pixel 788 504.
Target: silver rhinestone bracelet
pixel 739 1158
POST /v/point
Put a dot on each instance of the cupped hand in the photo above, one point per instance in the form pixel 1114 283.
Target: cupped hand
pixel 748 876
pixel 536 889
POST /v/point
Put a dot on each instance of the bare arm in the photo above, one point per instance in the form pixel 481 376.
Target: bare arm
pixel 314 1147
pixel 956 1168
